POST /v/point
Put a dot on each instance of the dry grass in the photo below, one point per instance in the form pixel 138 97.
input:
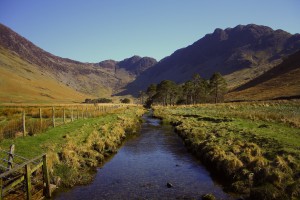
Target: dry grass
pixel 27 83
pixel 255 146
pixel 77 148
pixel 11 117
pixel 281 86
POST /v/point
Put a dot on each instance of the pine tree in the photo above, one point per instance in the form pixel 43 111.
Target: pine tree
pixel 167 92
pixel 218 87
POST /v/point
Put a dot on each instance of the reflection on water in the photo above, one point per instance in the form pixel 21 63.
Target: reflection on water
pixel 143 167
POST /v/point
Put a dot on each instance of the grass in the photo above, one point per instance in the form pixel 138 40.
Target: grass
pixel 254 146
pixel 280 81
pixel 76 148
pixel 11 124
pixel 22 82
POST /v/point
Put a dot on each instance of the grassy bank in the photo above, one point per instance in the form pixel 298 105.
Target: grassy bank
pixel 254 146
pixel 77 148
pixel 38 118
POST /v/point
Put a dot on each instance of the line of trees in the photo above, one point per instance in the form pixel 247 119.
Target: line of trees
pixel 99 100
pixel 194 91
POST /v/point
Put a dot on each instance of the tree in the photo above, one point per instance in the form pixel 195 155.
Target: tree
pixel 195 90
pixel 88 101
pixel 166 92
pixel 218 87
pixel 188 92
pixel 142 96
pixel 126 100
pixel 99 100
pixel 200 89
pixel 151 90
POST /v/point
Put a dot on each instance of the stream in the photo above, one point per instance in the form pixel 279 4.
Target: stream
pixel 144 165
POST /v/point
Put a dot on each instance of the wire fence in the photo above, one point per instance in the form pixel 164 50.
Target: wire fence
pixel 16 121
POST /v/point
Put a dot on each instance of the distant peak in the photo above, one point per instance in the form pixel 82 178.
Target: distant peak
pixel 132 59
pixel 135 57
pixel 218 30
pixel 220 34
pixel 254 27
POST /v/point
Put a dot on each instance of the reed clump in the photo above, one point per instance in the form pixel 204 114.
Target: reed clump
pixel 261 161
pixel 75 149
pixel 87 150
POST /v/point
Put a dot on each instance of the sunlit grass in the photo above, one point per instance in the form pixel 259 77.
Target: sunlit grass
pixel 81 145
pixel 255 146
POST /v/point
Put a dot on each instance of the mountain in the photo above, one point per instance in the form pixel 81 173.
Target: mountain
pixel 134 65
pixel 23 82
pixel 282 81
pixel 22 62
pixel 240 54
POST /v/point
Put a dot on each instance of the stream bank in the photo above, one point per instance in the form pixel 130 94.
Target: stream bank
pixel 154 164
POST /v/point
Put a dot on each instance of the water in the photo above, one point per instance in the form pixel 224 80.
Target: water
pixel 143 167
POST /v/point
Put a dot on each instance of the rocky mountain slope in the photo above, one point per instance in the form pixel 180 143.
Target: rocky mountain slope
pixel 240 54
pixel 282 81
pixel 94 79
pixel 127 69
pixel 134 65
pixel 23 82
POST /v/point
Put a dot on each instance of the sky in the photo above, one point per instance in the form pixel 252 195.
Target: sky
pixel 97 30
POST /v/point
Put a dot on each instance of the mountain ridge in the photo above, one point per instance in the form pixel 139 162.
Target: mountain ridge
pixel 135 64
pixel 280 82
pixel 86 78
pixel 240 54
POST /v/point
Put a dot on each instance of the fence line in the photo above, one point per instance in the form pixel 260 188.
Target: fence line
pixel 36 119
pixel 11 179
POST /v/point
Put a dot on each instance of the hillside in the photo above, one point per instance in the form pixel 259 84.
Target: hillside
pixel 240 54
pixel 22 82
pixel 20 57
pixel 282 81
pixel 127 69
pixel 134 65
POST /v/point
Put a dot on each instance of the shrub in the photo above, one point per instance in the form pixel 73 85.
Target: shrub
pixel 126 100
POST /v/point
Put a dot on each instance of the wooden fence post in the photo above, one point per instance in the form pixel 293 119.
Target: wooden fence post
pixel 77 112
pixel 41 118
pixel 82 113
pixel 28 181
pixel 11 157
pixel 46 177
pixel 53 116
pixel 64 111
pixel 24 123
pixel 72 117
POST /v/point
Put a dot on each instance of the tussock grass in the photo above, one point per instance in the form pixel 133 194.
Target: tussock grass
pixel 254 146
pixel 11 116
pixel 75 149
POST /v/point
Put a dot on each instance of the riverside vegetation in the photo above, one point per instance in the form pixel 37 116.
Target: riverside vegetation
pixel 254 146
pixel 20 120
pixel 76 148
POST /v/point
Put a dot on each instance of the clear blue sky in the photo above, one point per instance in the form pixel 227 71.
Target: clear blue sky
pixel 96 30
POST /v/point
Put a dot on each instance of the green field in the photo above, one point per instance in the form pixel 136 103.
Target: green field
pixel 254 146
pixel 75 148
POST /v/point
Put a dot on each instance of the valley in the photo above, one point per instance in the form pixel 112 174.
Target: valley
pixel 241 54
pixel 232 97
